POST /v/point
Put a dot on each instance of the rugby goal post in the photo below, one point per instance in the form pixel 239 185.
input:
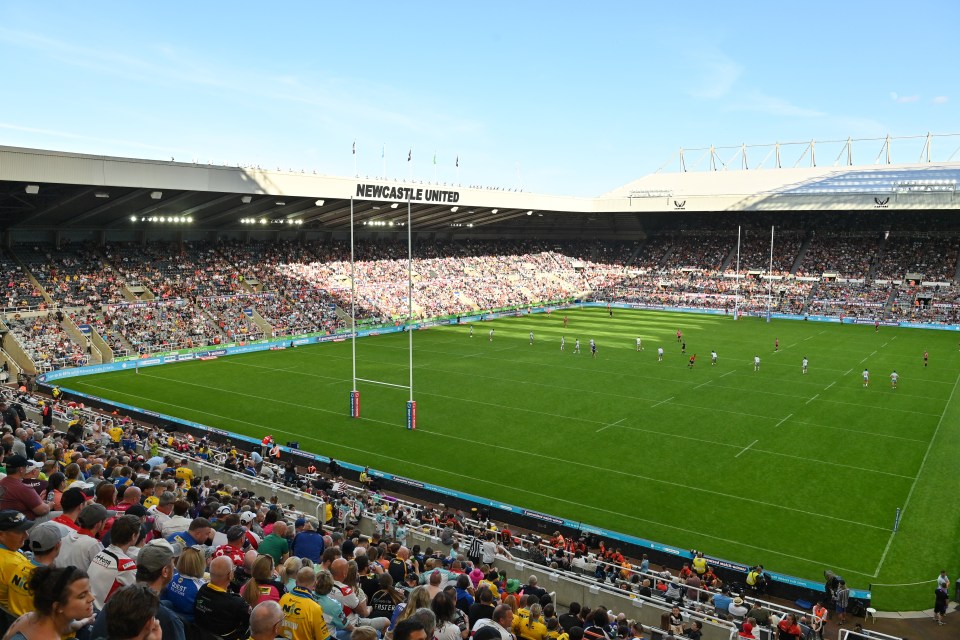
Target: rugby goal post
pixel 411 407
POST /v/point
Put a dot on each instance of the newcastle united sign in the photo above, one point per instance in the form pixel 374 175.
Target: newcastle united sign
pixel 400 194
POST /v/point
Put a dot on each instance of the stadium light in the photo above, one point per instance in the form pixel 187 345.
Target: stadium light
pixel 495 211
pixel 529 213
pixel 394 205
pixel 156 195
pixel 318 203
pixel 133 218
pixel 33 189
pixel 101 194
pixel 454 209
pixel 246 199
pixel 280 203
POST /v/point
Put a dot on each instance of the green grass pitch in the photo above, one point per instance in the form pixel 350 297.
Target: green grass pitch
pixel 799 472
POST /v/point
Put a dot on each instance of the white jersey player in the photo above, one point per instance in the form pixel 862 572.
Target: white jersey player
pixel 471 331
pixel 563 343
pixel 713 358
pixel 866 378
pixel 531 338
pixel 756 363
pixel 805 363
pixel 490 338
pixel 576 346
pixel 894 377
pixel 639 344
pixel 659 354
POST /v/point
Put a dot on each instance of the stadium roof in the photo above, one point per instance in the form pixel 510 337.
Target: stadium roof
pixel 51 189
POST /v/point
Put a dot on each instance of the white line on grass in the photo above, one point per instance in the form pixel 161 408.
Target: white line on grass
pixel 812 399
pixel 728 373
pixel 831 384
pixel 923 463
pixel 703 384
pixel 884 344
pixel 808 338
pixel 662 401
pixel 822 332
pixel 849 371
pixel 612 424
pixel 782 421
pixel 745 448
pixel 857 432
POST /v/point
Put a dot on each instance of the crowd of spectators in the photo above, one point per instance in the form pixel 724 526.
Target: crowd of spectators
pixel 19 292
pixel 203 289
pixel 850 257
pixel 850 299
pixel 46 342
pixel 72 275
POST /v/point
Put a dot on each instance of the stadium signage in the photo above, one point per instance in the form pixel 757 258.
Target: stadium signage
pixel 386 192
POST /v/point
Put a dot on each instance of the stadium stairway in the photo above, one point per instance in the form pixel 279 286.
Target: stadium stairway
pixel 800 254
pixel 77 336
pixel 811 297
pixel 730 258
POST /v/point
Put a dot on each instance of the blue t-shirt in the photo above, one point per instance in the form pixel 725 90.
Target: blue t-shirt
pixel 181 594
pixel 183 538
pixel 308 544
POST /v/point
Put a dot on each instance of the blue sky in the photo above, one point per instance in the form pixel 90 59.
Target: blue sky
pixel 559 97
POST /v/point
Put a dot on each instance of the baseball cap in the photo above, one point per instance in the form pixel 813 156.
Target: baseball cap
pixel 13 520
pixel 300 522
pixel 91 514
pixel 136 510
pixel 224 511
pixel 33 464
pixel 247 517
pixel 44 537
pixel 156 555
pixel 15 461
pixel 72 498
pixel 236 532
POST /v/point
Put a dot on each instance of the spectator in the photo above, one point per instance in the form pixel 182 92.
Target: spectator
pixel 263 584
pixel 266 621
pixel 80 547
pixel 44 542
pixel 199 532
pixel 61 603
pixel 132 614
pixel 303 617
pixel 15 495
pixel 15 569
pixel 410 630
pixel 113 567
pixel 181 593
pixel 155 570
pixel 218 610
pixel 275 544
pixel 308 543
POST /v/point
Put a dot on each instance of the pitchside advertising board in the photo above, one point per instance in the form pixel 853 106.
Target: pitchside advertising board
pixel 50 377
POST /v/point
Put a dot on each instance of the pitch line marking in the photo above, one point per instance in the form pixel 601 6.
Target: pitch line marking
pixel 923 463
pixel 491 445
pixel 662 401
pixel 612 424
pixel 808 338
pixel 782 421
pixel 703 384
pixel 812 399
pixel 849 371
pixel 728 373
pixel 745 448
pixel 831 384
pixel 868 406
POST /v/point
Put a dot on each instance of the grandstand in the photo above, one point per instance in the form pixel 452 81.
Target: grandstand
pixel 110 261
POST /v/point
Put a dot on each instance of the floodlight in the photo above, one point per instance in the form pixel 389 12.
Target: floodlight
pixel 101 194
pixel 394 205
pixel 246 199
pixel 133 218
pixel 318 203
pixel 495 211
pixel 156 195
pixel 529 213
pixel 454 209
pixel 33 189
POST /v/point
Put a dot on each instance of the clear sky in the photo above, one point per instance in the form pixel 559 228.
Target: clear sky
pixel 563 98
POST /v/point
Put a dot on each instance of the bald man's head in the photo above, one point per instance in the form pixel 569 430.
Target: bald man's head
pixel 338 569
pixel 221 571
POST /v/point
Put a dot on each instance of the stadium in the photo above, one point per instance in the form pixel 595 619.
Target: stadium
pixel 499 349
